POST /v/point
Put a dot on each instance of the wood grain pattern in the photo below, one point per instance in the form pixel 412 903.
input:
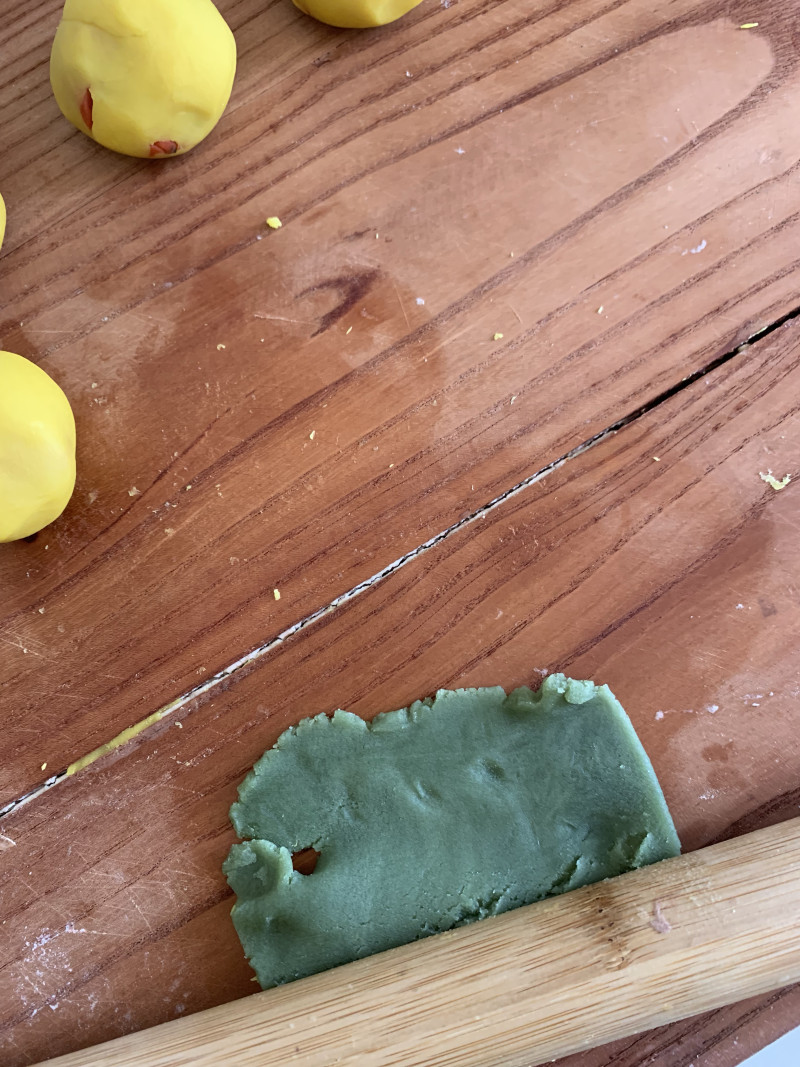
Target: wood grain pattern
pixel 640 163
pixel 674 580
pixel 525 988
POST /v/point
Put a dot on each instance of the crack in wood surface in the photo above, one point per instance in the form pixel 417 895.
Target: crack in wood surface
pixel 128 735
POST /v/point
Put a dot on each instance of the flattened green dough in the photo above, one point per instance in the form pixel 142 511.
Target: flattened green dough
pixel 436 815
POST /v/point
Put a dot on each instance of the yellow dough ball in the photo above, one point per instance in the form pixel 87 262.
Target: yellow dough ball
pixel 147 78
pixel 37 448
pixel 356 14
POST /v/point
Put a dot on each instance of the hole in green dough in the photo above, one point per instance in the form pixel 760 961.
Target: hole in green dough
pixel 305 861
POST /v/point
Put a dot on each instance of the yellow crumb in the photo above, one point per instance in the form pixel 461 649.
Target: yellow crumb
pixel 601 309
pixel 274 222
pixel 220 347
pixel 775 483
pixel 133 491
pixel 179 725
pixel 497 337
pixel 748 26
pixel 276 593
pixel 656 459
pixel 349 329
pixel 44 766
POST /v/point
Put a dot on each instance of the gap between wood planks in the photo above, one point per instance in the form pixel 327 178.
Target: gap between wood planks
pixel 139 728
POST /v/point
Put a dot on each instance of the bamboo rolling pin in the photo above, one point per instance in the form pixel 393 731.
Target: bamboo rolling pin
pixel 608 961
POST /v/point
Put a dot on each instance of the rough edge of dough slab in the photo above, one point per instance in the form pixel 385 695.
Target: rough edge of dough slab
pixel 681 937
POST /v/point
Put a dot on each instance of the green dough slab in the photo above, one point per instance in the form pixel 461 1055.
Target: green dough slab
pixel 456 808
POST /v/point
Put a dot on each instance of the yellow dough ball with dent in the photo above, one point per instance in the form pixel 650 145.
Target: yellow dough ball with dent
pixel 356 14
pixel 37 448
pixel 147 78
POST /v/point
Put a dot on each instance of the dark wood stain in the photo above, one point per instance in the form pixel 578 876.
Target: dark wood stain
pixel 351 288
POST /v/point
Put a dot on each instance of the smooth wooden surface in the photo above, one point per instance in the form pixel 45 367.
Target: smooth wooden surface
pixel 642 167
pixel 682 936
pixel 600 143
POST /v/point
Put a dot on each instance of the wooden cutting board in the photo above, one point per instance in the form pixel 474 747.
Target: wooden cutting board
pixel 313 474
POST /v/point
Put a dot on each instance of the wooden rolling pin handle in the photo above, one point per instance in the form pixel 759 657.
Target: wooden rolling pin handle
pixel 672 940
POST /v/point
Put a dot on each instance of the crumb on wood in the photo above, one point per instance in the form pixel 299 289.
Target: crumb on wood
pixel 497 337
pixel 659 922
pixel 220 347
pixel 274 222
pixel 276 593
pixel 775 483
